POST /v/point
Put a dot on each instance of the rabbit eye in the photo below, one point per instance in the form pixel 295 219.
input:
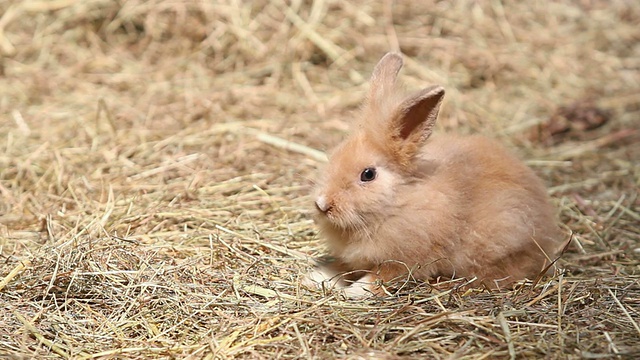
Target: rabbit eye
pixel 368 174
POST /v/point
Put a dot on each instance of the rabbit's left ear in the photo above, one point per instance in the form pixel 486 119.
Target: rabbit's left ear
pixel 384 77
pixel 415 117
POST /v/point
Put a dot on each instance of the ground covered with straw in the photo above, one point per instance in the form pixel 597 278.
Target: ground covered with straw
pixel 156 159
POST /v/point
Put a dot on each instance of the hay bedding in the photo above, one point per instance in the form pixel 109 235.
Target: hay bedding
pixel 156 158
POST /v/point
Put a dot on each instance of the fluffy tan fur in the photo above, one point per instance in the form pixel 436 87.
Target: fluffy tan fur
pixel 445 206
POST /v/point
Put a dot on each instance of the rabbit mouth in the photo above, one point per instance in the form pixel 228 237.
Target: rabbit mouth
pixel 340 220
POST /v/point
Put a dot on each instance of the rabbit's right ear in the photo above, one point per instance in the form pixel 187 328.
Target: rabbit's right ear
pixel 413 123
pixel 384 76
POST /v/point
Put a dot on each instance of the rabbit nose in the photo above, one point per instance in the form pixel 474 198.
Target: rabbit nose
pixel 322 205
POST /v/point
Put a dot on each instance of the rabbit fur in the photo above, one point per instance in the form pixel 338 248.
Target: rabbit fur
pixel 443 206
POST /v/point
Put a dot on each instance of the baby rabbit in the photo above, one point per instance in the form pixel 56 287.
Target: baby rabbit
pixel 393 200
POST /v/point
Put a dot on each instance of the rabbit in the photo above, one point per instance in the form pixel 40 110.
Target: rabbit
pixel 394 200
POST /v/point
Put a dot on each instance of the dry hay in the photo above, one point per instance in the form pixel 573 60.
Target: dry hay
pixel 156 158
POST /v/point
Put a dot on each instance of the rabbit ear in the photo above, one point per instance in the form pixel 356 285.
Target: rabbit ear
pixel 384 76
pixel 415 119
pixel 419 112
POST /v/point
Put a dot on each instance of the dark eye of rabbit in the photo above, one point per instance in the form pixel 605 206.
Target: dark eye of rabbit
pixel 368 174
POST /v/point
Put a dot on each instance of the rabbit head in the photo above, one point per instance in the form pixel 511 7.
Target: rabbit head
pixel 365 170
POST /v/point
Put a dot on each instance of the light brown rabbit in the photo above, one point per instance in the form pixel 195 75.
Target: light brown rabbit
pixel 393 199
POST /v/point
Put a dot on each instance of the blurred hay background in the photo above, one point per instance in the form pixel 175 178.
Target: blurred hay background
pixel 155 160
